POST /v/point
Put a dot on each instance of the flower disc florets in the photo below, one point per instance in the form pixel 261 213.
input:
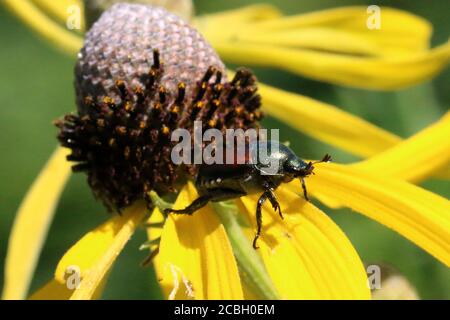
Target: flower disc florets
pixel 142 73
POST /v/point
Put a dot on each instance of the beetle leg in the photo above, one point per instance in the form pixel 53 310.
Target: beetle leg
pixel 305 193
pixel 273 200
pixel 152 254
pixel 197 204
pixel 261 201
pixel 150 257
pixel 268 190
pixel 200 202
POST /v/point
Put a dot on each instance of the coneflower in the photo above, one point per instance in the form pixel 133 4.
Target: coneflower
pixel 142 73
pixel 208 255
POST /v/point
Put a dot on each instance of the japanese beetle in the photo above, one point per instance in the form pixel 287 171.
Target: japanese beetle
pixel 219 182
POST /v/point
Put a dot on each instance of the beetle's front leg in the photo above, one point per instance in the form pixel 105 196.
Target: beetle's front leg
pixel 261 201
pixel 268 194
pixel 274 202
pixel 305 193
pixel 268 190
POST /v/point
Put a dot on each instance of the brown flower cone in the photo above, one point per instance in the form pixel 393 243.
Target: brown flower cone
pixel 143 73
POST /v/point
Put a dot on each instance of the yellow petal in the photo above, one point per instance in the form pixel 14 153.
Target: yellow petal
pixel 195 259
pixel 232 18
pixel 306 254
pixel 31 225
pixel 335 46
pixel 315 38
pixel 335 30
pixel 61 9
pixel 417 214
pixel 400 33
pixel 46 27
pixel 385 73
pixel 359 137
pixel 326 122
pixel 94 254
pixel 53 290
pixel 252 14
pixel 443 174
pixel 415 158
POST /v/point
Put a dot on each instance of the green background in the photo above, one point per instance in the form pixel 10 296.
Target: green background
pixel 36 87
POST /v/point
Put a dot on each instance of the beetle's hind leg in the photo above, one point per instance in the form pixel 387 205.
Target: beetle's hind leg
pixel 197 204
pixel 153 245
pixel 150 257
pixel 200 202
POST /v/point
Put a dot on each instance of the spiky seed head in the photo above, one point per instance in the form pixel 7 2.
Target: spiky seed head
pixel 120 45
pixel 142 73
pixel 94 8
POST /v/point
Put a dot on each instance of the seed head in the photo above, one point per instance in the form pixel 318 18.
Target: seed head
pixel 142 73
pixel 120 45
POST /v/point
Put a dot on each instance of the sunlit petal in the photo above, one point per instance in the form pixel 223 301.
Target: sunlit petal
pixel 386 73
pixel 326 122
pixel 268 14
pixel 357 136
pixel 46 27
pixel 195 259
pixel 316 38
pixel 53 290
pixel 335 46
pixel 417 214
pixel 415 158
pixel 31 224
pixel 62 9
pixel 400 32
pixel 210 23
pixel 94 254
pixel 306 254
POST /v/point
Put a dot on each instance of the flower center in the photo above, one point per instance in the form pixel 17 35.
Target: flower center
pixel 142 74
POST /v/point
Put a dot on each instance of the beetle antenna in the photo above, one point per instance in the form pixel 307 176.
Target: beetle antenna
pixel 326 158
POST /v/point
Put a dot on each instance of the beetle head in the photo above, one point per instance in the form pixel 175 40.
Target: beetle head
pixel 275 159
pixel 295 167
pixel 306 170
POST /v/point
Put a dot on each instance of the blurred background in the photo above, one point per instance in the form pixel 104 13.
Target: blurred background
pixel 36 87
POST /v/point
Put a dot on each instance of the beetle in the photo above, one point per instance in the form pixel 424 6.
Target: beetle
pixel 219 182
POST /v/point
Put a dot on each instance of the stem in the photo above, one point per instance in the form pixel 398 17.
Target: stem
pixel 250 265
pixel 159 202
pixel 251 268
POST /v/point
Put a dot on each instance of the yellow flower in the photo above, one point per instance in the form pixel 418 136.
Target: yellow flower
pixel 208 255
pixel 403 33
pixel 334 45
